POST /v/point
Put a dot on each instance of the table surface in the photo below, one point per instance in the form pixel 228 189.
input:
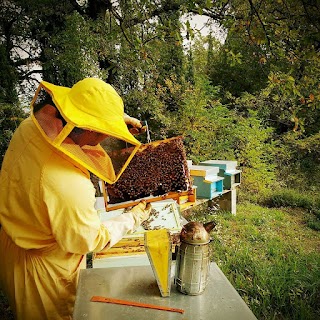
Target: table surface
pixel 219 301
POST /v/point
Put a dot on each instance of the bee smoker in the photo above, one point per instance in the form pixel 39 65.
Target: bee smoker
pixel 193 258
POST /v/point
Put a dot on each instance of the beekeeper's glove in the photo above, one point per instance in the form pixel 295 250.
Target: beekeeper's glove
pixel 134 125
pixel 127 222
pixel 132 121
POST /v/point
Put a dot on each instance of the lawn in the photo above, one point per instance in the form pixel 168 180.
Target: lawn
pixel 271 257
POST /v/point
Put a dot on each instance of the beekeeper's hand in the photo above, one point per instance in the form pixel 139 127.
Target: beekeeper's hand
pixel 127 222
pixel 141 211
pixel 132 121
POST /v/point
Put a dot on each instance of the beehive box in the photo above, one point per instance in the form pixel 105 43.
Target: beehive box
pixel 227 170
pixel 209 184
pixel 225 165
pixel 158 168
pixel 130 249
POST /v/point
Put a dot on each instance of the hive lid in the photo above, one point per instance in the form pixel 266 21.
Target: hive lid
pixel 213 178
pixel 203 171
pixel 232 172
pixel 223 164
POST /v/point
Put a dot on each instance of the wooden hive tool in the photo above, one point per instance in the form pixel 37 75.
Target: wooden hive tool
pixel 158 247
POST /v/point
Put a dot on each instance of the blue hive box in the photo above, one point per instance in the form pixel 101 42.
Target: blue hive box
pixel 209 184
pixel 228 170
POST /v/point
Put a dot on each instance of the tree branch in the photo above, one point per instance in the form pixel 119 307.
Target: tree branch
pixel 261 22
pixel 29 73
pixel 26 61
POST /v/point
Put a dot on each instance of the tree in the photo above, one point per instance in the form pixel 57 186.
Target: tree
pixel 264 77
pixel 10 117
pixel 239 66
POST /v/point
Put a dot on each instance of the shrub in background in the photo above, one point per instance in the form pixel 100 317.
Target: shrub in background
pixel 295 199
pixel 10 117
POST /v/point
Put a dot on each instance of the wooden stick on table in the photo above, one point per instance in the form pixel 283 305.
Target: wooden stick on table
pixel 134 304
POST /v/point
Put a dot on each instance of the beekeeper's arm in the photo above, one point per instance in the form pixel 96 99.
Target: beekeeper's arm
pixel 127 222
pixel 69 199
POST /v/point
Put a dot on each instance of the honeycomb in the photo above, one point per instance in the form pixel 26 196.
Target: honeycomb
pixel 156 169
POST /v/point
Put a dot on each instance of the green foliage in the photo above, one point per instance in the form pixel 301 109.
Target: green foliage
pixel 73 53
pixel 238 66
pixel 212 131
pixel 292 102
pixel 299 161
pixel 289 198
pixel 147 105
pixel 314 224
pixel 170 60
pixel 205 124
pixel 255 152
pixel 8 78
pixel 10 117
pixel 202 56
pixel 254 98
pixel 293 147
pixel 295 199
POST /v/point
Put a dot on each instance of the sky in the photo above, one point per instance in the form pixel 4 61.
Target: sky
pixel 200 23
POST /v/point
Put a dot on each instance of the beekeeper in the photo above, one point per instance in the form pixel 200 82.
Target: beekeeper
pixel 47 201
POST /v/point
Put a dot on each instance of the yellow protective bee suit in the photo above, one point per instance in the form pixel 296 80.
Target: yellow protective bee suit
pixel 45 235
pixel 48 220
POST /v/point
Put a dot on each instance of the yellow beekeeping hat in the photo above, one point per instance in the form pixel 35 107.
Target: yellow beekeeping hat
pixel 91 104
pixel 94 105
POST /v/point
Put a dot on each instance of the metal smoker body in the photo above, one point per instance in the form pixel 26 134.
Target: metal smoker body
pixel 193 258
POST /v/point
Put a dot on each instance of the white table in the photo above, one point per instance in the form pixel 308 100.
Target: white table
pixel 137 283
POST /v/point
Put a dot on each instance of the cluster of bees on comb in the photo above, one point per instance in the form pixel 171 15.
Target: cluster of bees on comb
pixel 154 214
pixel 155 170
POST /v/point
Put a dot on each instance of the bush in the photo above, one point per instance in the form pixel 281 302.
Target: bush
pixel 289 198
pixel 10 117
pixel 295 199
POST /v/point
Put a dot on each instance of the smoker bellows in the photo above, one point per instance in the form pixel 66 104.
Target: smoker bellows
pixel 157 168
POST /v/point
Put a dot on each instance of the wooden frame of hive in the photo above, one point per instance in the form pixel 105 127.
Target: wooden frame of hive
pixel 158 171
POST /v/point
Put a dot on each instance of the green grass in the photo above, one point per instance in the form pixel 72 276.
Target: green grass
pixel 271 256
pixel 295 199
